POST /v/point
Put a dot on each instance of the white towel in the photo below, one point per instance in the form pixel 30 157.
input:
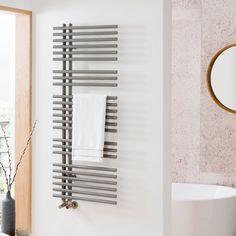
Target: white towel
pixel 89 112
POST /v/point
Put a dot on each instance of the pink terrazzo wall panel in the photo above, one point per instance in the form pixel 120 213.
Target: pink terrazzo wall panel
pixel 203 135
pixel 186 71
pixel 218 127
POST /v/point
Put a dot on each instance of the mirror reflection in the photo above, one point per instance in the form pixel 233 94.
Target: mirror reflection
pixel 222 80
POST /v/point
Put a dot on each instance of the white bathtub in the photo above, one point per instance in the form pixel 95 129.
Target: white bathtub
pixel 203 210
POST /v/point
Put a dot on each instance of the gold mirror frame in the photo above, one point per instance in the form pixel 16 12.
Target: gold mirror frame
pixel 208 79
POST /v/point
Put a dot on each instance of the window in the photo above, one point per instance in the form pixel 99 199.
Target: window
pixel 18 114
pixel 7 92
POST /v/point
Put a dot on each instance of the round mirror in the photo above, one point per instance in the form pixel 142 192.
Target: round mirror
pixel 221 78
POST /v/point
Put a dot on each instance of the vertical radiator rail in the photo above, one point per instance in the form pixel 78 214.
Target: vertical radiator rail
pixel 70 106
pixel 64 112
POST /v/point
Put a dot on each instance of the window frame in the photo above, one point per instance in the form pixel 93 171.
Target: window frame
pixel 23 113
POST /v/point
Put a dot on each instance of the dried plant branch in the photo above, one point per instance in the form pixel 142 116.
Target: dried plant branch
pixel 22 155
pixel 8 153
pixel 9 179
pixel 5 173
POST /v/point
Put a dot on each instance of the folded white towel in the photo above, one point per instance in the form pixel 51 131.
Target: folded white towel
pixel 89 112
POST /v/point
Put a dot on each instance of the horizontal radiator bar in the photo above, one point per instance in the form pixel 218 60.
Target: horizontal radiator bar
pixel 85 77
pixel 85 59
pixel 71 96
pixel 87 84
pixel 71 109
pixel 97 194
pixel 70 122
pixel 70 116
pixel 62 109
pixel 86 186
pixel 85 33
pixel 87 180
pixel 85 53
pixel 92 174
pixel 71 103
pixel 62 115
pixel 85 27
pixel 69 147
pixel 86 71
pixel 78 46
pixel 84 199
pixel 70 141
pixel 69 153
pixel 86 167
pixel 70 128
pixel 110 39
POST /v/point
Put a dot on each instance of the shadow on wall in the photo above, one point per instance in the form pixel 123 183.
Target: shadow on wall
pixel 135 117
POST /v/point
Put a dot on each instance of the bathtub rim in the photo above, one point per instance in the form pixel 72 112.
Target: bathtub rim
pixel 195 199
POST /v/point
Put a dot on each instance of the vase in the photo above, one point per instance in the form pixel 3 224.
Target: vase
pixel 8 215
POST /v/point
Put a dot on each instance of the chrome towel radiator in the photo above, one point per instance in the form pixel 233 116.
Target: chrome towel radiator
pixel 74 44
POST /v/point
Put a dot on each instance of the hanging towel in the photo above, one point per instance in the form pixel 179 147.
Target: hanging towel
pixel 89 112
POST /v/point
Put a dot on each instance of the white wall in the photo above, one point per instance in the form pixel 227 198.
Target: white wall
pixel 144 189
pixel 22 4
pixel 141 167
pixel 141 206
